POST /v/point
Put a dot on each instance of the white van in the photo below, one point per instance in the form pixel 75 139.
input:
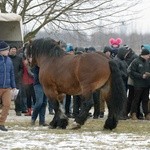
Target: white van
pixel 11 29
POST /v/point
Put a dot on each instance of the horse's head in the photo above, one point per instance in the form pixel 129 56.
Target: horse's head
pixel 28 53
pixel 43 48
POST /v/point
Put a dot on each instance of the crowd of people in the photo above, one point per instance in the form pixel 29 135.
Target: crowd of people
pixel 17 73
pixel 134 70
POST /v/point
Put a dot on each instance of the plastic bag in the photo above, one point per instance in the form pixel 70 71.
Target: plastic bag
pixel 14 94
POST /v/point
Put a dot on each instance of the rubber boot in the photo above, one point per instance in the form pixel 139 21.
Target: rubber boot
pixel 29 112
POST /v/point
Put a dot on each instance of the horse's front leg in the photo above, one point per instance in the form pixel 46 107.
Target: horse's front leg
pixel 87 103
pixel 53 123
pixel 60 120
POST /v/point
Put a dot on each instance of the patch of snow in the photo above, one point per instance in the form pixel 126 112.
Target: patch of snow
pixel 38 138
pixel 25 139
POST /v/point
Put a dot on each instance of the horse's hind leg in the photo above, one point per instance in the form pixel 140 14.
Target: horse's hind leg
pixel 111 121
pixel 84 112
pixel 60 120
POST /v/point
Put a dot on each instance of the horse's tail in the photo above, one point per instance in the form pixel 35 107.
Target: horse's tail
pixel 117 98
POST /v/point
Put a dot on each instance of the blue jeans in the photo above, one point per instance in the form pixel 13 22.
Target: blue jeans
pixel 40 105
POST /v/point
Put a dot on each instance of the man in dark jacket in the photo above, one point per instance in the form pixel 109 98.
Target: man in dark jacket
pixel 18 70
pixel 139 70
pixel 122 65
pixel 7 82
pixel 120 59
pixel 130 56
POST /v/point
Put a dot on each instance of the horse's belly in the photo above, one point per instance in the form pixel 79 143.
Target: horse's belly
pixel 72 90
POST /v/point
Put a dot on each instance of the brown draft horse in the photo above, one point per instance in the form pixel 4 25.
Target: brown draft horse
pixel 61 73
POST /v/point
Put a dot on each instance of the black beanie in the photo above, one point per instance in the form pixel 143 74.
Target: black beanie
pixel 107 49
pixel 3 46
pixel 145 52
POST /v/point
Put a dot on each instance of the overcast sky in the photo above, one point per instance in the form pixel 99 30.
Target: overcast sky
pixel 143 24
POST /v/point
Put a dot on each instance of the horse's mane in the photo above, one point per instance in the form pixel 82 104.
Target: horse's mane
pixel 47 47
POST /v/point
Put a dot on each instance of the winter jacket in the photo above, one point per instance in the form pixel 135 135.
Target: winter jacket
pixel 114 51
pixel 7 79
pixel 18 68
pixel 120 60
pixel 138 67
pixel 27 76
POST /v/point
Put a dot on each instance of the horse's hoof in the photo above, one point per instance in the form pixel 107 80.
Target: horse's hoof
pixel 51 127
pixel 76 126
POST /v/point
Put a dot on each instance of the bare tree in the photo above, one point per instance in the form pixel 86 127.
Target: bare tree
pixel 72 15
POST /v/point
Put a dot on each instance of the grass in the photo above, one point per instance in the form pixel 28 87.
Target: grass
pixel 92 125
pixel 22 135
